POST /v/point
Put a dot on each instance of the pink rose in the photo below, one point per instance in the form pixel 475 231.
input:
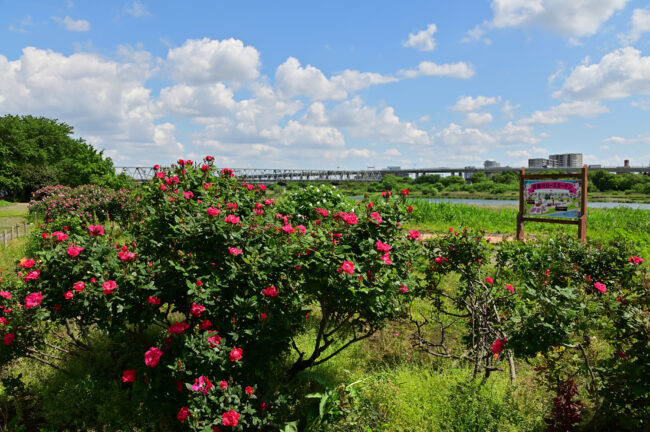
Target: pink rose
pixel 33 300
pixel 109 286
pixel 234 251
pixel 213 211
pixel 68 295
pixel 202 384
pixel 79 286
pixel 214 339
pixel 74 251
pixel 152 357
pixel 5 294
pixel 231 219
pixel 33 275
pixel 223 385
pixel 196 310
pixel 600 287
pixel 405 192
pixel 489 280
pixel 377 217
pixel 382 247
pixel 96 230
pixel 414 234
pixel 26 263
pixel 347 267
pixel 403 289
pixel 249 390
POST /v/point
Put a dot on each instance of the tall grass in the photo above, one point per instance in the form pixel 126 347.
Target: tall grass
pixel 602 224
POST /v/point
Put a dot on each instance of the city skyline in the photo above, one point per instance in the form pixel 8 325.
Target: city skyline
pixel 336 85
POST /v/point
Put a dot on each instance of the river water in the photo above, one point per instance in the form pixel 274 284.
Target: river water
pixel 590 204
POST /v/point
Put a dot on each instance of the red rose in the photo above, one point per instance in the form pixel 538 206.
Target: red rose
pixel 230 418
pixel 223 385
pixel 8 339
pixel 179 327
pixel 26 263
pixel 74 251
pixel 68 295
pixel 79 286
pixel 249 390
pixel 128 376
pixel 153 300
pixel 183 414
pixel 270 291
pixel 205 324
pixel 196 310
pixel 236 354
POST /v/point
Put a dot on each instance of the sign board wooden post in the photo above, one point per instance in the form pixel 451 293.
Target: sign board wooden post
pixel 553 198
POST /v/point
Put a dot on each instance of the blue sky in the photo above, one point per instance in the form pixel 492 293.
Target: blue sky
pixel 336 84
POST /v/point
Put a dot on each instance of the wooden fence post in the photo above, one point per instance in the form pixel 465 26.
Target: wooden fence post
pixel 582 225
pixel 520 215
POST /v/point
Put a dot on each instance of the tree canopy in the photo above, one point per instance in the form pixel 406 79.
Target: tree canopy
pixel 38 151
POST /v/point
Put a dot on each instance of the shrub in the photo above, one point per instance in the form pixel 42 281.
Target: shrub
pixel 212 287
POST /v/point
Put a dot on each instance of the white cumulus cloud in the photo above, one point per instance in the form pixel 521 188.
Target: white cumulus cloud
pixel 578 18
pixel 620 74
pixel 639 23
pixel 429 68
pixel 72 24
pixel 562 112
pixel 466 104
pixel 422 40
pixel 292 80
pixel 202 61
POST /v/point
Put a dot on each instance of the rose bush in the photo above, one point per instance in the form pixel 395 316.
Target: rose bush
pixel 229 281
pixel 579 312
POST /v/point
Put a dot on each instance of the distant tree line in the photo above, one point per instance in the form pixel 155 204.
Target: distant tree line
pixel 479 182
pixel 38 151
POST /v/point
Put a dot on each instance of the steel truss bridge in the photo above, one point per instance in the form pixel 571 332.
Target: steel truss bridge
pixel 267 176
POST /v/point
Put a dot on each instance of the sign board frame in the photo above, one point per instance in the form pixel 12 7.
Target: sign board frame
pixel 581 221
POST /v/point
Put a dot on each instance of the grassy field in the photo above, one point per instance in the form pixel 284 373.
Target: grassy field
pixel 602 224
pixel 382 383
pixel 10 215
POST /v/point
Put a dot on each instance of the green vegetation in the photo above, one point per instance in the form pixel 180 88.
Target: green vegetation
pixel 602 224
pixel 382 383
pixel 603 186
pixel 37 151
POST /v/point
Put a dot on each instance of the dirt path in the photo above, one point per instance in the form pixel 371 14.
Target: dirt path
pixel 492 238
pixel 16 206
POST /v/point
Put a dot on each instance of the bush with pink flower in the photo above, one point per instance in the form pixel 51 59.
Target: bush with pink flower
pixel 210 256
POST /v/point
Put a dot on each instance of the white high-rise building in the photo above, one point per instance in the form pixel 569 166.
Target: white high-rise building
pixel 566 160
